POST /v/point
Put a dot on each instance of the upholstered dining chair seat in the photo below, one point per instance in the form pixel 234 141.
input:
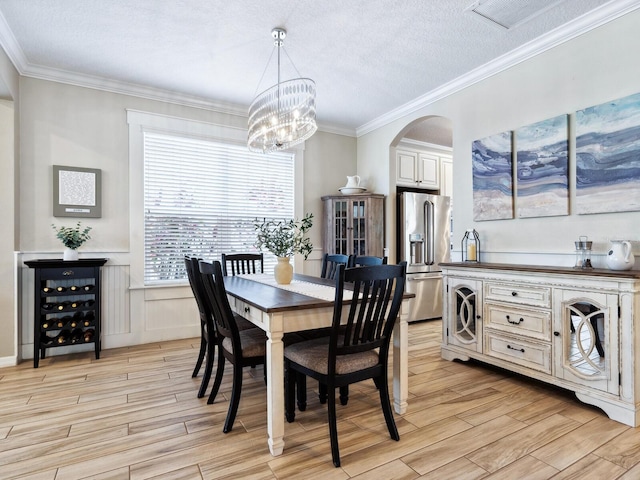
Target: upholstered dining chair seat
pixel 314 354
pixel 252 340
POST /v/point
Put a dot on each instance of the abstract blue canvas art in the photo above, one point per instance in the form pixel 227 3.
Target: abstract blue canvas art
pixel 542 168
pixel 492 177
pixel 608 157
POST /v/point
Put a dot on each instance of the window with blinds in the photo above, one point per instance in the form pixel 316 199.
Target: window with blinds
pixel 201 199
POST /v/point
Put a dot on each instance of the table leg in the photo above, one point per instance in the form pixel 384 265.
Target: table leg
pixel 275 391
pixel 401 360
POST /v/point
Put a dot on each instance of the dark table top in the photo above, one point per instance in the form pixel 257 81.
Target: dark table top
pixel 272 299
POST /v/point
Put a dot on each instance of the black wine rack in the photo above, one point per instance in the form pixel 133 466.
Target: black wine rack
pixel 66 304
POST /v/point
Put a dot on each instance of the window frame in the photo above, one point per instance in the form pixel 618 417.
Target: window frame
pixel 142 122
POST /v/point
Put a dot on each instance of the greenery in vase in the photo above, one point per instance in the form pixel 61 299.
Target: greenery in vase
pixel 72 237
pixel 284 238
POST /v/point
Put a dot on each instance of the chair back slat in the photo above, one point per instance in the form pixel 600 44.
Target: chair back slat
pixel 330 264
pixel 367 261
pixel 216 293
pixel 377 296
pixel 195 282
pixel 242 263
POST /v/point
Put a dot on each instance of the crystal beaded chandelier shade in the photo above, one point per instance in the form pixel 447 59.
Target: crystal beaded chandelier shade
pixel 285 114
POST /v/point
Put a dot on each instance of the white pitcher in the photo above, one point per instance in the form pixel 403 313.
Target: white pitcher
pixel 353 181
pixel 620 256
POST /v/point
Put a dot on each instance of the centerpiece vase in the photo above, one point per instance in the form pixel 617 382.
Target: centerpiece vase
pixel 70 254
pixel 283 271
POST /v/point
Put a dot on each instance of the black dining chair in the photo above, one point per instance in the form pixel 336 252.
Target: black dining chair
pixel 207 338
pixel 330 264
pixel 367 261
pixel 207 327
pixel 243 348
pixel 356 350
pixel 242 263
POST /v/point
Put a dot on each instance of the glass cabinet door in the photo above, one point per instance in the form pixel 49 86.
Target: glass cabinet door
pixel 587 339
pixel 465 304
pixel 359 230
pixel 341 221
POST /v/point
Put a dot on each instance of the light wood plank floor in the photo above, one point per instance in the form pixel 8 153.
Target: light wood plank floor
pixel 134 414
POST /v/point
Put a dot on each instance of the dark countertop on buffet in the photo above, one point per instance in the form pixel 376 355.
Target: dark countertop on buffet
pixel 600 272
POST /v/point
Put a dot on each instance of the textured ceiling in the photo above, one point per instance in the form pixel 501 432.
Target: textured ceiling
pixel 368 57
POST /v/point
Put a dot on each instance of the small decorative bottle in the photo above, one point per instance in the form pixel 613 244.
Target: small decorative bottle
pixel 471 246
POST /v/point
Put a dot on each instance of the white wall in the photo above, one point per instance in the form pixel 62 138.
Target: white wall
pixel 74 126
pixel 596 67
pixel 9 85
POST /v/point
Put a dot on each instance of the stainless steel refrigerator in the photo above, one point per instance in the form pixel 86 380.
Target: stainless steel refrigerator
pixel 424 231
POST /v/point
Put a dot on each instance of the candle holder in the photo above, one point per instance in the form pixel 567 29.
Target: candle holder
pixel 471 246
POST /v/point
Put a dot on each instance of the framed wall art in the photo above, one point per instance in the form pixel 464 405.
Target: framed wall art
pixel 77 192
pixel 542 168
pixel 608 157
pixel 493 177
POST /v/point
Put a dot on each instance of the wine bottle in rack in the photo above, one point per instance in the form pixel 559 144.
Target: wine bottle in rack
pixel 77 336
pixel 89 334
pixel 75 303
pixel 46 323
pixel 63 337
pixel 62 306
pixel 60 288
pixel 88 318
pixel 88 287
pixel 48 306
pixel 76 320
pixel 46 340
pixel 74 288
pixel 89 303
pixel 47 289
pixel 61 322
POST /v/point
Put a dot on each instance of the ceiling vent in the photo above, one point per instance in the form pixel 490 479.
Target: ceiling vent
pixel 511 13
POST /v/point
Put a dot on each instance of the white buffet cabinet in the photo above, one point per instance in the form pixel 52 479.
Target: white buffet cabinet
pixel 569 327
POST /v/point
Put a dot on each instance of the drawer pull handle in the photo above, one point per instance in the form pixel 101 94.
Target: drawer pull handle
pixel 515 322
pixel 514 348
pixel 246 309
pixel 514 294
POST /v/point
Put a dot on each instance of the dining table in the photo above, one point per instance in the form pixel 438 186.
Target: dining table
pixel 304 304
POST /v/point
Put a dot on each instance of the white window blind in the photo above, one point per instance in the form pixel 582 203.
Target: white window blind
pixel 202 197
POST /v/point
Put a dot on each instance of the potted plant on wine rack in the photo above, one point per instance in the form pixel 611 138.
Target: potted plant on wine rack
pixel 284 238
pixel 72 238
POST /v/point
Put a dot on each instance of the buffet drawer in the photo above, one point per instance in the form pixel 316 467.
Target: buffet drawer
pixel 530 354
pixel 518 294
pixel 519 321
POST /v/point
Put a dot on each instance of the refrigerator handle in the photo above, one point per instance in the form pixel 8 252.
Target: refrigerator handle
pixel 429 226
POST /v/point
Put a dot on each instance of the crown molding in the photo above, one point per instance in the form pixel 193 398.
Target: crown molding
pixel 555 37
pixel 410 142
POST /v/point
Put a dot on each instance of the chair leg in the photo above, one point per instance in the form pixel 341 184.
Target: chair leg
pixel 386 407
pixel 322 393
pixel 208 368
pixel 218 380
pixel 201 354
pixel 344 395
pixel 333 427
pixel 301 386
pixel 290 384
pixel 236 390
